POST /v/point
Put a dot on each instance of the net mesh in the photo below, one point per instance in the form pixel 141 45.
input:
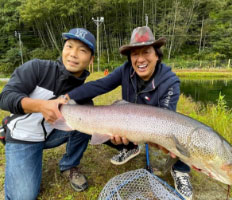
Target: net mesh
pixel 138 184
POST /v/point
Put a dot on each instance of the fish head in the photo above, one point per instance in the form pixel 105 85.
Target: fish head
pixel 216 156
pixel 221 172
pixel 226 166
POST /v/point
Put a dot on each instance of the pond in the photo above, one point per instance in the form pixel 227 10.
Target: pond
pixel 207 90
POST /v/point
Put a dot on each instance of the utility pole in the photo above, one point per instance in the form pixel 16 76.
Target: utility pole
pixel 146 19
pixel 18 34
pixel 98 22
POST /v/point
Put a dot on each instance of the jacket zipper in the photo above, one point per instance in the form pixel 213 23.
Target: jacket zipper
pixel 137 93
pixel 18 121
pixel 44 129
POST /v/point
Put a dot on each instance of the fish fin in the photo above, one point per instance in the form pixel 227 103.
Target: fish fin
pixel 99 138
pixel 197 169
pixel 184 151
pixel 72 102
pixel 61 124
pixel 169 163
pixel 120 102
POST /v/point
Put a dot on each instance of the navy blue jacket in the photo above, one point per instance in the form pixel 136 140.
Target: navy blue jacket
pixel 162 91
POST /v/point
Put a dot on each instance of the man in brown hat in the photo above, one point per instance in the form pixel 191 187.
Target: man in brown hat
pixel 144 80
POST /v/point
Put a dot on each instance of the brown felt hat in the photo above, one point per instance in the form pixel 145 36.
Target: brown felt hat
pixel 142 36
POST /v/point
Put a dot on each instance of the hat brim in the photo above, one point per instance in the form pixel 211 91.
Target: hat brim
pixel 67 36
pixel 125 49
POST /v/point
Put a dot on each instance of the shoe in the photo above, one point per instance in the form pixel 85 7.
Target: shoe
pixel 124 156
pixel 182 184
pixel 77 180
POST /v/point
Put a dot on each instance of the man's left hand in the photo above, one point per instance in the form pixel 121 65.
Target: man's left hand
pixel 119 140
pixel 162 149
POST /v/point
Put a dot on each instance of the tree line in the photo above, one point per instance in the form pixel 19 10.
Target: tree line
pixel 195 29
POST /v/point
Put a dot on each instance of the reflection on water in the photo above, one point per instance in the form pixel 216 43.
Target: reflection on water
pixel 207 90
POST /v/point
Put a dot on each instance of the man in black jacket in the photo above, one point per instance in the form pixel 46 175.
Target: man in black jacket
pixel 144 80
pixel 31 96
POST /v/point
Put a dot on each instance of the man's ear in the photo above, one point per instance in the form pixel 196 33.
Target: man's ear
pixel 91 60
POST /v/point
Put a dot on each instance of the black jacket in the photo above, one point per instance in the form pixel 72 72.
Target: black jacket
pixel 38 79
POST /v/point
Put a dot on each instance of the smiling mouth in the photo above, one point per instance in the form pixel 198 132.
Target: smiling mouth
pixel 72 62
pixel 142 67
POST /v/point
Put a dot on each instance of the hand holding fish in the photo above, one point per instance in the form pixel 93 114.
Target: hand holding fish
pixel 162 149
pixel 116 139
pixel 51 110
pixel 48 108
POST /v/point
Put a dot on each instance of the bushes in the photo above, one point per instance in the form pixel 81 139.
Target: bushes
pixel 6 68
pixel 46 54
pixel 12 58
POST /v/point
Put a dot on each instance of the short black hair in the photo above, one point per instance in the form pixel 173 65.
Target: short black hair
pixel 159 53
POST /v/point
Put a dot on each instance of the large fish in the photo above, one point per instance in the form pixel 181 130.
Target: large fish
pixel 194 143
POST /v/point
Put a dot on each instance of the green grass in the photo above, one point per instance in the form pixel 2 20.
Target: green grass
pixel 218 116
pixel 204 73
pixel 96 166
pixel 105 99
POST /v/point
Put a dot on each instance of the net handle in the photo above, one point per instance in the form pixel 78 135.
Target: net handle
pixel 148 165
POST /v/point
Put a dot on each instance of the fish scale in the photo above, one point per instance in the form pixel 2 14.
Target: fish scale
pixel 195 143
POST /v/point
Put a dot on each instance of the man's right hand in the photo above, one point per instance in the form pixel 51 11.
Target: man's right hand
pixel 48 108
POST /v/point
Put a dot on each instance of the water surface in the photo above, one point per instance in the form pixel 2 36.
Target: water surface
pixel 207 90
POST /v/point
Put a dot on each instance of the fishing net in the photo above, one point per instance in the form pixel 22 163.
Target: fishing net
pixel 138 184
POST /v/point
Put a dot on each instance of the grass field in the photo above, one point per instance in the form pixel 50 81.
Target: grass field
pixel 205 73
pixel 96 166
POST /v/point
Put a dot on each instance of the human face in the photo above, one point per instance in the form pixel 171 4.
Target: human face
pixel 76 56
pixel 143 61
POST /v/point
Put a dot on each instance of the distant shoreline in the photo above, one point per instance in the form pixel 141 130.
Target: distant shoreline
pixel 201 73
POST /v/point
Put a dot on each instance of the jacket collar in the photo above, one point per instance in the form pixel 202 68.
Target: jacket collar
pixel 134 79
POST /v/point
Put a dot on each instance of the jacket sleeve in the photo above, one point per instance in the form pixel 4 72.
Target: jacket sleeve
pixel 171 96
pixel 20 85
pixel 98 87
